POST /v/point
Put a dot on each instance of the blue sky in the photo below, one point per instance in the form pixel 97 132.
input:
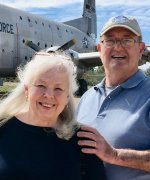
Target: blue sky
pixel 70 9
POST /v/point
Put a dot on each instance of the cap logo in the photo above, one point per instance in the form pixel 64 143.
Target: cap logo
pixel 120 19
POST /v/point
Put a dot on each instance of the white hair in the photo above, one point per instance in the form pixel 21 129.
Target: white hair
pixel 15 103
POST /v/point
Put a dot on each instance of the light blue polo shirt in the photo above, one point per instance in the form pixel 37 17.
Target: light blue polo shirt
pixel 122 118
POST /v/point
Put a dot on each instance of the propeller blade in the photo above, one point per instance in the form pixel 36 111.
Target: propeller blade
pixel 33 46
pixel 67 45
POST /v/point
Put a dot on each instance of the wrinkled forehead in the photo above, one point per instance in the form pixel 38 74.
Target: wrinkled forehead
pixel 50 78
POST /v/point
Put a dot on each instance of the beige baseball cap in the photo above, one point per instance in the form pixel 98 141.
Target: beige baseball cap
pixel 129 23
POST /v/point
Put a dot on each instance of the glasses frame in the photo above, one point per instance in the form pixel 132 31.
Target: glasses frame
pixel 123 42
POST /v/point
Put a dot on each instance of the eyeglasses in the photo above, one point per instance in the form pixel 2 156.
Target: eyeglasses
pixel 109 43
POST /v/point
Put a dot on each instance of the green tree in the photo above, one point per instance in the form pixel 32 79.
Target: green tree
pixel 147 72
pixel 94 76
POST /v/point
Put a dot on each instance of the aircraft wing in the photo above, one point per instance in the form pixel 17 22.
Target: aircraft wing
pixel 91 59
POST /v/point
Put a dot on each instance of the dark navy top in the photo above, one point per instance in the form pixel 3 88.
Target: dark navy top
pixel 29 152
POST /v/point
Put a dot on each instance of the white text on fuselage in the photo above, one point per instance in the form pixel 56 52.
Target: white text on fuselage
pixel 7 28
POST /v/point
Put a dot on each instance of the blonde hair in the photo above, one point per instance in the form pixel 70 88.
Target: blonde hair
pixel 16 103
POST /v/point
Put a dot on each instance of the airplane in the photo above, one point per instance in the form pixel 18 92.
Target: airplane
pixel 18 27
pixel 22 33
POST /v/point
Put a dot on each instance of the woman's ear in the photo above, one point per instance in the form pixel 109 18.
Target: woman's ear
pixel 99 47
pixel 68 98
pixel 25 87
pixel 26 91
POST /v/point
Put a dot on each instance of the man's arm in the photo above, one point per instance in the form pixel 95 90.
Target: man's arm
pixel 122 157
pixel 133 159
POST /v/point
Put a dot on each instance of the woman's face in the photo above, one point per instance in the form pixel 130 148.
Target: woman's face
pixel 47 96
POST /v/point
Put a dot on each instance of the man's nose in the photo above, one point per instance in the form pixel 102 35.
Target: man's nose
pixel 118 44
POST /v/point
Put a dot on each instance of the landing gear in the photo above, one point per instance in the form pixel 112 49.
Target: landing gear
pixel 82 87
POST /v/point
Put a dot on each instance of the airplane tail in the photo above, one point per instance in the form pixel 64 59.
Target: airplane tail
pixel 88 22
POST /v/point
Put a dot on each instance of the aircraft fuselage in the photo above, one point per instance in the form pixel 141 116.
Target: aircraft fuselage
pixel 17 26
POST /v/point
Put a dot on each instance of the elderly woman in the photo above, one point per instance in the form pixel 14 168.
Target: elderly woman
pixel 37 133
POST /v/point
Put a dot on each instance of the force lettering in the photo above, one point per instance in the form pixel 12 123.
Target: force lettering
pixel 7 28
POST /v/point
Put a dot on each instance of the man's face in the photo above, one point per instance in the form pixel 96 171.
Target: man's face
pixel 120 58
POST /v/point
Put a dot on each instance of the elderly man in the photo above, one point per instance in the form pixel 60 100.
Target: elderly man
pixel 119 106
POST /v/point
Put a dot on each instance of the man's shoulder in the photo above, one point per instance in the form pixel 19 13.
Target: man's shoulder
pixel 91 92
pixel 145 84
pixel 93 89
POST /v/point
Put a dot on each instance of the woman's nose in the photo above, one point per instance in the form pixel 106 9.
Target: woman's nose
pixel 49 93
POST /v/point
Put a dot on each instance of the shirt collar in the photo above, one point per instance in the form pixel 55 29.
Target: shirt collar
pixel 134 80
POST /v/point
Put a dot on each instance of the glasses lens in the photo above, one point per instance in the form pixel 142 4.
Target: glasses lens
pixel 109 42
pixel 123 42
pixel 127 42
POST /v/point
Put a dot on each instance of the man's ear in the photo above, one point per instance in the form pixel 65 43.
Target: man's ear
pixel 141 50
pixel 142 47
pixel 99 47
